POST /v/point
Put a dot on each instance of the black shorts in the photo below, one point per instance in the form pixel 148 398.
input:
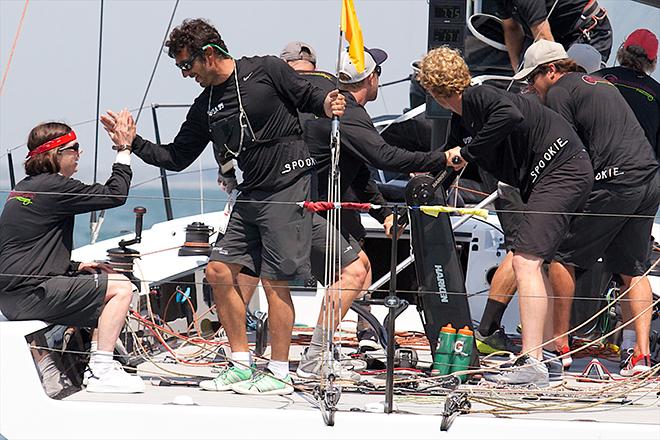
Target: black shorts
pixel 509 206
pixel 269 234
pixel 76 301
pixel 348 248
pixel 623 242
pixel 558 194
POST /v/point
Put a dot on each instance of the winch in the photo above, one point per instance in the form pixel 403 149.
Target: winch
pixel 197 240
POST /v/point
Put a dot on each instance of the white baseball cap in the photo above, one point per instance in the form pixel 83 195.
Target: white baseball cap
pixel 541 52
pixel 585 56
pixel 372 58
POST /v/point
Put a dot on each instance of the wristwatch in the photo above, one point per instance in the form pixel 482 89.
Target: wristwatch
pixel 122 147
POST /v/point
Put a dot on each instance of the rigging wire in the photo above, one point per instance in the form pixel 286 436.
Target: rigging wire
pixel 13 46
pixel 160 52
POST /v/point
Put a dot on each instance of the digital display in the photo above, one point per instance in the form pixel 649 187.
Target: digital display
pixel 447 35
pixel 447 12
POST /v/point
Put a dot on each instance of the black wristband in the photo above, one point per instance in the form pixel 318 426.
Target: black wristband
pixel 123 147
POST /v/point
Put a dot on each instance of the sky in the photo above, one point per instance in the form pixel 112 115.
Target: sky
pixel 53 75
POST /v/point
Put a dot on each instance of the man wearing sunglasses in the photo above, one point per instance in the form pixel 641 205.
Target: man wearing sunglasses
pixel 248 110
pixel 625 194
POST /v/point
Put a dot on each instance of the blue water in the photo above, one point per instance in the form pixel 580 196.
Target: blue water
pixel 119 221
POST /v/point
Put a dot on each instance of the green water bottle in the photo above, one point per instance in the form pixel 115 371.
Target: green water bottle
pixel 462 351
pixel 444 351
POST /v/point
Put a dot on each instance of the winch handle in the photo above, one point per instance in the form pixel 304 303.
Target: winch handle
pixel 139 214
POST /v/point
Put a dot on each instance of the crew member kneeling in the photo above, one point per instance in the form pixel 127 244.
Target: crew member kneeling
pixel 37 278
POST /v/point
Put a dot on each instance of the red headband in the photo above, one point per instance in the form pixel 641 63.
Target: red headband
pixel 47 146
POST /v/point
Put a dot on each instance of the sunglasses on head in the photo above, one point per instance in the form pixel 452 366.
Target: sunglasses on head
pixel 378 70
pixel 75 148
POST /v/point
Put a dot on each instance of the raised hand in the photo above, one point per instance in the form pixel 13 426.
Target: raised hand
pixel 120 126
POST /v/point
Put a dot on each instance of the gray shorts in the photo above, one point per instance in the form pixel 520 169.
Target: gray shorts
pixel 76 301
pixel 269 234
pixel 348 249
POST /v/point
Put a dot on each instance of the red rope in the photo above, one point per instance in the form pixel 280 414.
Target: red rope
pixel 13 47
pixel 327 206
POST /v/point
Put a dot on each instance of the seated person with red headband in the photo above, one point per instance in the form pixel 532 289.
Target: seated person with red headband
pixel 37 279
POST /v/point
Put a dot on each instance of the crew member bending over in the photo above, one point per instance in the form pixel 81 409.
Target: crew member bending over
pixel 624 197
pixel 543 157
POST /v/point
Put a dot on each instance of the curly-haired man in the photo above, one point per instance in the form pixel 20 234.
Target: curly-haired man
pixel 525 145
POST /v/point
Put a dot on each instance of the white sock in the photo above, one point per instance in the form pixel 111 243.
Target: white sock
pixel 94 346
pixel 242 359
pixel 280 369
pixel 629 340
pixel 101 357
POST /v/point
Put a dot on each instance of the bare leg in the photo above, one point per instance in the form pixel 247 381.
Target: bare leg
pixel 503 285
pixel 117 301
pixel 533 301
pixel 281 318
pixel 352 282
pixel 361 323
pixel 229 302
pixel 562 279
pixel 637 299
pixel 246 285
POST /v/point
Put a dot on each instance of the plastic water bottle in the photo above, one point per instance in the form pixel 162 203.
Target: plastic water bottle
pixel 444 352
pixel 462 351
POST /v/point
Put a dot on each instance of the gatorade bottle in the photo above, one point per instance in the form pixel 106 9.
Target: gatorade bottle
pixel 444 351
pixel 462 351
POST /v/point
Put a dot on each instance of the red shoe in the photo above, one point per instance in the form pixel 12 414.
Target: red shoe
pixel 636 365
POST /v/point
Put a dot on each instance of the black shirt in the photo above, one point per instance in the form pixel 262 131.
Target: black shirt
pixel 271 93
pixel 513 137
pixel 619 150
pixel 36 225
pixel 564 19
pixel 642 93
pixel 361 143
pixel 355 175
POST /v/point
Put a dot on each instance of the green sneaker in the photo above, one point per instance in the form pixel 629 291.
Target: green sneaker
pixel 264 384
pixel 228 377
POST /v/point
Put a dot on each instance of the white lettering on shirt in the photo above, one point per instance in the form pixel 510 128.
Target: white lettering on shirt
pixel 548 155
pixel 297 164
pixel 216 109
pixel 609 173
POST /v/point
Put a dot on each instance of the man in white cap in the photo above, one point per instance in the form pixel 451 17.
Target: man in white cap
pixel 627 183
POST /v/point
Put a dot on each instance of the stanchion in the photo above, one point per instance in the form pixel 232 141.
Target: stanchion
pixel 392 302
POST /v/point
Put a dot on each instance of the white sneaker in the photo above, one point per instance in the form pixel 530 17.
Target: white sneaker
pixel 111 378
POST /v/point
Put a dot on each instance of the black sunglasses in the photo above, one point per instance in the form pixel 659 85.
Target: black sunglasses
pixel 75 147
pixel 186 64
pixel 378 70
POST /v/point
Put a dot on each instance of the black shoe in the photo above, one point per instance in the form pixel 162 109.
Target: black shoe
pixel 497 341
pixel 367 340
